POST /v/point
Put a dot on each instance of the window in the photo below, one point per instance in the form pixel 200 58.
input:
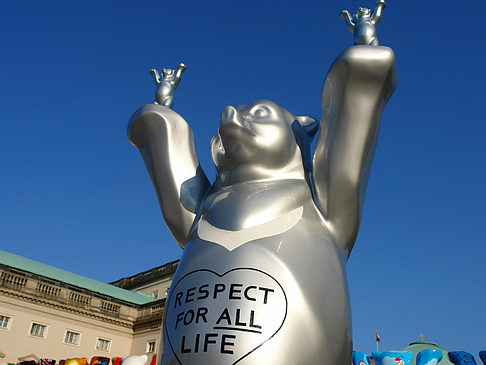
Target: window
pixel 102 344
pixel 151 346
pixel 72 337
pixel 4 322
pixel 38 330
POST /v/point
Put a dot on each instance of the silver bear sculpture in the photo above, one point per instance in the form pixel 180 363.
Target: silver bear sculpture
pixel 164 94
pixel 262 277
pixel 363 24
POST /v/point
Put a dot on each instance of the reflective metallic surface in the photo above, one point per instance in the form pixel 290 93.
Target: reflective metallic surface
pixel 354 95
pixel 166 144
pixel 164 94
pixel 363 24
pixel 262 276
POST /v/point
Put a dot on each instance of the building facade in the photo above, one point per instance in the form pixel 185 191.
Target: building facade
pixel 46 312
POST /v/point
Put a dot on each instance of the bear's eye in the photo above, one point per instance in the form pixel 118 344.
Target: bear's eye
pixel 260 112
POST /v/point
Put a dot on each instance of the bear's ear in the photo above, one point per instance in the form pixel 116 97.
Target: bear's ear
pixel 309 125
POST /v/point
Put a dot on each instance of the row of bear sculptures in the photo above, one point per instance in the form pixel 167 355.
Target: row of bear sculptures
pixel 424 357
pixel 95 360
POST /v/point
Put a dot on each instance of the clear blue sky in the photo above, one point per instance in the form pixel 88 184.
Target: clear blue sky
pixel 75 194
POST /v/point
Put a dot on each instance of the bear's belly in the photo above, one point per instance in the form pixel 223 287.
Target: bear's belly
pixel 278 299
pixel 365 33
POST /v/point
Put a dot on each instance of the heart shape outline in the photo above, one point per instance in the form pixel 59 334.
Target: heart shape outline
pixel 220 276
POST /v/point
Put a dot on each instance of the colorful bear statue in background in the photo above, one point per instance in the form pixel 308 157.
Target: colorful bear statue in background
pixel 429 357
pixel 99 360
pixel 135 360
pixel 461 358
pixel 360 358
pixel 482 356
pixel 392 357
pixel 76 361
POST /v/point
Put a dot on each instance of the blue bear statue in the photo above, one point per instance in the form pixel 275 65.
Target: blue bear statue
pixel 392 357
pixel 360 358
pixel 429 357
pixel 482 356
pixel 461 357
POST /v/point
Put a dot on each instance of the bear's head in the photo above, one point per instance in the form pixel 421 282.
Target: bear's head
pixel 362 13
pixel 263 139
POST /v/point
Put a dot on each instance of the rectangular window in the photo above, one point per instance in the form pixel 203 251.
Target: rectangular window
pixel 150 346
pixel 72 337
pixel 102 344
pixel 38 330
pixel 4 321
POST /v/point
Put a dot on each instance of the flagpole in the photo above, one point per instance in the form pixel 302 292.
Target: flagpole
pixel 378 339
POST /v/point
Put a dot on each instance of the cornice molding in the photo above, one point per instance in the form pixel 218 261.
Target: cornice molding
pixel 66 308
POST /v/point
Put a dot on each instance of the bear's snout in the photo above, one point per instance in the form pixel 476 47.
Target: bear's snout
pixel 229 115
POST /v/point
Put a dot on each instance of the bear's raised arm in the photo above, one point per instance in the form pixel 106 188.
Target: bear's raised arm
pixel 166 143
pixel 380 5
pixel 355 92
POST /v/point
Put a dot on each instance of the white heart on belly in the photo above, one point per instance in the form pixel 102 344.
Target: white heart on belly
pixel 220 319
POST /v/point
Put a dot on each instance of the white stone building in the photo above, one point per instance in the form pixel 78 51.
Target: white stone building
pixel 46 312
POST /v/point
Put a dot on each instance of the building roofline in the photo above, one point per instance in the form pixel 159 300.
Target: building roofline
pixel 146 276
pixel 63 276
